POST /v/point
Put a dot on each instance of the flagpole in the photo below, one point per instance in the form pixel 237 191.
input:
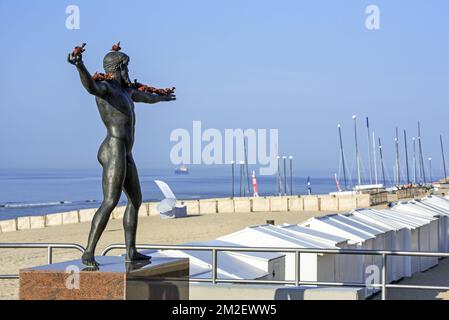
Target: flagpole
pixel 232 166
pixel 284 158
pixel 291 175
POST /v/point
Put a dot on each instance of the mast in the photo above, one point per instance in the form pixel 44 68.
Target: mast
pixel 246 164
pixel 444 159
pixel 369 152
pixel 421 159
pixel 415 169
pixel 342 156
pixel 406 157
pixel 374 159
pixel 359 179
pixel 382 163
pixel 398 169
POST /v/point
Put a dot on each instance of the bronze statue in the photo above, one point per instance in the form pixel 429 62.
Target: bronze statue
pixel 115 96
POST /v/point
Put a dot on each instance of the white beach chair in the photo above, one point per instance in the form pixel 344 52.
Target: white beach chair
pixel 168 208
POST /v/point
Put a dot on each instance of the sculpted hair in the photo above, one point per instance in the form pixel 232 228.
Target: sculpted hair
pixel 113 60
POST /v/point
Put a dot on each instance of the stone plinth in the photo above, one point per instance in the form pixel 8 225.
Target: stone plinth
pixel 115 279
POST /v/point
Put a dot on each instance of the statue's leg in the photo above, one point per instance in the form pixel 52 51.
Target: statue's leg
pixel 131 186
pixel 112 156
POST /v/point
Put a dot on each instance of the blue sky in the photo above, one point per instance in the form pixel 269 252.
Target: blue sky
pixel 299 66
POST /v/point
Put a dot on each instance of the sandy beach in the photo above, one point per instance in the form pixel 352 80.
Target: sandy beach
pixel 153 230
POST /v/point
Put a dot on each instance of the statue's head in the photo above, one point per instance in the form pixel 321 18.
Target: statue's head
pixel 116 63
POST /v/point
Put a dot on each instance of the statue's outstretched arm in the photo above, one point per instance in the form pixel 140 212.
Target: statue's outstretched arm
pixel 147 97
pixel 93 87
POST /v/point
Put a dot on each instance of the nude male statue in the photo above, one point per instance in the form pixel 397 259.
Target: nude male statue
pixel 115 99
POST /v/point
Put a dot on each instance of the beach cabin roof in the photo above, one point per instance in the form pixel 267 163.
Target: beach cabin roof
pixel 325 224
pixel 260 236
pixel 314 234
pixel 229 265
pixel 373 216
pixel 363 227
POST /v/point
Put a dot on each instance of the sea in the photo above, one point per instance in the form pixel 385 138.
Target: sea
pixel 43 191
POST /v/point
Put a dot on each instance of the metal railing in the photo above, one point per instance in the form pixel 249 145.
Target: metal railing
pixel 215 249
pixel 48 246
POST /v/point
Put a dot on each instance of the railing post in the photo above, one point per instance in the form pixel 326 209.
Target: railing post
pixel 214 266
pixel 297 268
pixel 50 254
pixel 384 276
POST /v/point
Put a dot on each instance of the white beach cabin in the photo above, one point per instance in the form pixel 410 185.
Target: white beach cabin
pixel 361 239
pixel 420 230
pixel 422 208
pixel 344 263
pixel 313 267
pixel 412 210
pixel 230 265
pixel 398 267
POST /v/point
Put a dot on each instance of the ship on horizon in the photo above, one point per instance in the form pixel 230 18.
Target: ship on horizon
pixel 182 170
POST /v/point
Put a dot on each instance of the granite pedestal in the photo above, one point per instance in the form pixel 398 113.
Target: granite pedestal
pixel 115 279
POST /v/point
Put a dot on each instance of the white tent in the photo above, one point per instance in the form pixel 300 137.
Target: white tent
pixel 398 267
pixel 344 263
pixel 230 265
pixel 313 267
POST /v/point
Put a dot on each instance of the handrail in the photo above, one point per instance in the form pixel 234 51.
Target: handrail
pixel 48 246
pixel 215 249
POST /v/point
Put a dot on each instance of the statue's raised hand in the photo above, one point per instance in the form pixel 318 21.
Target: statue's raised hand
pixel 76 57
pixel 170 97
